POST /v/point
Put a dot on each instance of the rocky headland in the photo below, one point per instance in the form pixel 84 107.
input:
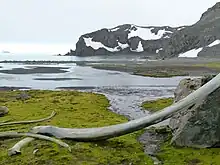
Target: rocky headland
pixel 201 39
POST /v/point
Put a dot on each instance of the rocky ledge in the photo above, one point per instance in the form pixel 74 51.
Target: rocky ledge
pixel 200 39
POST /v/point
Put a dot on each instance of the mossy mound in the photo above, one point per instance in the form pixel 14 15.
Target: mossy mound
pixel 171 155
pixel 159 73
pixel 212 65
pixel 156 105
pixel 74 109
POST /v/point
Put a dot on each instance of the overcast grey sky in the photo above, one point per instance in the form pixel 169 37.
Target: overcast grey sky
pixel 63 21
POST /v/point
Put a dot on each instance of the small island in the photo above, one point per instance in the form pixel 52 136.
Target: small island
pixel 5 51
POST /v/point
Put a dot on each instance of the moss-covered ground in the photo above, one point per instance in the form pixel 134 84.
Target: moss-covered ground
pixel 156 105
pixel 211 65
pixel 171 155
pixel 74 109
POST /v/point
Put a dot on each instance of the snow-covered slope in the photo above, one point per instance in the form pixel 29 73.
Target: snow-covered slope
pixel 194 52
pixel 216 42
pixel 147 33
pixel 191 53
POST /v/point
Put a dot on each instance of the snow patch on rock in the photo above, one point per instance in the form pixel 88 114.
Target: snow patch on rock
pixel 191 53
pixel 139 48
pixel 123 46
pixel 166 37
pixel 146 33
pixel 157 51
pixel 98 45
pixel 114 29
pixel 216 42
pixel 180 28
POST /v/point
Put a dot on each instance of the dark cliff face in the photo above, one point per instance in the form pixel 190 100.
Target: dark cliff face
pixel 212 13
pixel 124 39
pixel 199 35
pixel 160 42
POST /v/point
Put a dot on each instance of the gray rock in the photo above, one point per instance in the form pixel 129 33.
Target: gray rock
pixel 185 87
pixel 199 125
pixel 23 96
pixel 211 13
pixel 3 110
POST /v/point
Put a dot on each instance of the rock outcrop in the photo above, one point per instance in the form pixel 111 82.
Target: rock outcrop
pixel 200 39
pixel 199 126
pixel 3 110
pixel 124 39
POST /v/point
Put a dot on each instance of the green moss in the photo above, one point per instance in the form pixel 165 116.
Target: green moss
pixel 158 71
pixel 142 70
pixel 74 109
pixel 159 74
pixel 171 155
pixel 156 105
pixel 212 65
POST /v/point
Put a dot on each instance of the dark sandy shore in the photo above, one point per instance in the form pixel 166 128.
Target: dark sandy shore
pixel 35 70
pixel 56 79
pixel 11 88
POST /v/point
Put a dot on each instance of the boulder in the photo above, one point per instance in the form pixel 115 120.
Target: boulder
pixel 23 96
pixel 3 110
pixel 199 126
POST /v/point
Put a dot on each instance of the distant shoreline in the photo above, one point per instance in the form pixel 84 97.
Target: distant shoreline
pixel 35 62
pixel 143 67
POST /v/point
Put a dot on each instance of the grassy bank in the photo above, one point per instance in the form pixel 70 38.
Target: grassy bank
pixel 156 105
pixel 171 155
pixel 74 109
pixel 211 65
pixel 162 71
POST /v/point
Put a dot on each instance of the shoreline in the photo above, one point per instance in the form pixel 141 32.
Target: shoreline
pixel 142 67
pixel 163 68
pixel 149 138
